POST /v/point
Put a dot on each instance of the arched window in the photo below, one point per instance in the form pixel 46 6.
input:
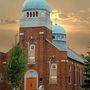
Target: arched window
pixel 30 14
pixel 53 71
pixel 31 51
pixel 33 14
pixel 69 70
pixel 36 14
pixel 27 14
pixel 74 73
pixel 79 76
pixel 57 37
pixel 53 37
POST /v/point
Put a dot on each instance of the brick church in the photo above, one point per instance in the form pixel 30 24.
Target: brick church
pixel 50 62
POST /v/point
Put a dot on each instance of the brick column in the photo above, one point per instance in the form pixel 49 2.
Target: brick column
pixel 41 43
pixel 63 75
pixel 21 38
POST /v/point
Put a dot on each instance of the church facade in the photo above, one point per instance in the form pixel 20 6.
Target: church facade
pixel 50 62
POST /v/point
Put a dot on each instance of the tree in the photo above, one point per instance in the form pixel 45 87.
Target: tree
pixel 86 79
pixel 15 66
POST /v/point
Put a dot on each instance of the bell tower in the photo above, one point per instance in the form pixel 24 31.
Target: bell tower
pixel 35 28
pixel 35 19
pixel 35 13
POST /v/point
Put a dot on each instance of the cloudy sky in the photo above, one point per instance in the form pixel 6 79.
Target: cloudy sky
pixel 74 17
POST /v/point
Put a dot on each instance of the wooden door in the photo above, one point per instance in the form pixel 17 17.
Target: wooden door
pixel 31 84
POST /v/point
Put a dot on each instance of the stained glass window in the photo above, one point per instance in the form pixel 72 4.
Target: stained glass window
pixel 53 71
pixel 31 51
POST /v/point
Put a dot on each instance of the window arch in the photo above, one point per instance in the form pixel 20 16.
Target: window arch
pixel 30 14
pixel 36 13
pixel 27 14
pixel 33 14
pixel 30 74
pixel 31 51
pixel 53 71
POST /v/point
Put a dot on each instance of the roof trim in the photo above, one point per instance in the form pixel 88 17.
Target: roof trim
pixel 54 45
pixel 67 53
pixel 58 33
pixel 35 9
pixel 75 60
pixel 77 55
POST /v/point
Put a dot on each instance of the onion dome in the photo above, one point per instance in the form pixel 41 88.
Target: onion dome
pixel 59 36
pixel 58 29
pixel 35 5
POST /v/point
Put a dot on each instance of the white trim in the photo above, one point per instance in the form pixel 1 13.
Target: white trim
pixel 59 40
pixel 67 61
pixel 41 33
pixel 21 34
pixel 4 62
pixel 35 74
pixel 63 60
pixel 72 62
pixel 30 63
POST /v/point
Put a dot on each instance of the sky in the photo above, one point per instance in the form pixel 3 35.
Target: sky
pixel 74 17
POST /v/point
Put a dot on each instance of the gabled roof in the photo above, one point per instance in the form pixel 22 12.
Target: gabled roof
pixel 57 47
pixel 73 55
pixel 60 44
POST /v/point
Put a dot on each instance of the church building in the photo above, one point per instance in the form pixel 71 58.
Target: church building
pixel 50 62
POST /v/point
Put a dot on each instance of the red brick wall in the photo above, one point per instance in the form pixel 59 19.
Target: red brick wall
pixel 44 51
pixel 59 55
pixel 40 46
pixel 3 83
pixel 77 76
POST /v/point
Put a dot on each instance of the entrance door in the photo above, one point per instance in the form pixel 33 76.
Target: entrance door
pixel 31 84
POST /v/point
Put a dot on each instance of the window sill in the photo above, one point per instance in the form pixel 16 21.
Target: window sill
pixel 31 63
pixel 52 83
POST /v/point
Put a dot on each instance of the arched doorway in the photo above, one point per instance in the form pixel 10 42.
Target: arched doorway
pixel 31 80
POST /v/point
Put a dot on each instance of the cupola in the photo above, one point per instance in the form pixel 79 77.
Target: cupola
pixel 35 13
pixel 59 36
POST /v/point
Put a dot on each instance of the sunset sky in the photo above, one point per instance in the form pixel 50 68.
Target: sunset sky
pixel 74 17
